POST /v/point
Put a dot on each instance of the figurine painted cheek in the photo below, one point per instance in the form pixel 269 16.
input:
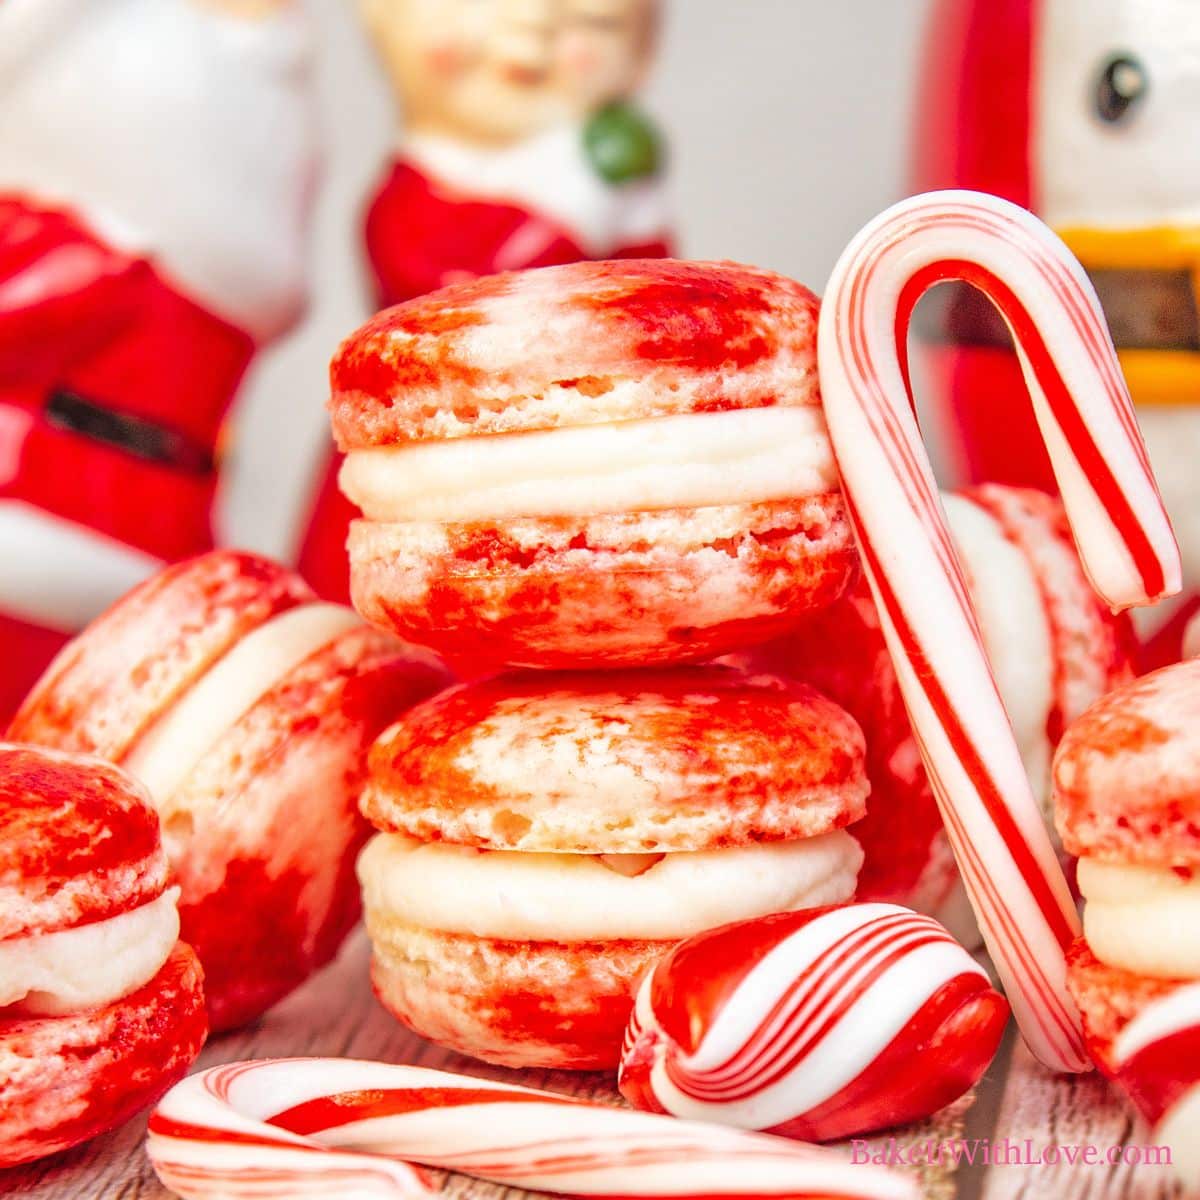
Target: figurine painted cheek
pixel 148 246
pixel 448 60
pixel 1082 110
pixel 604 50
pixel 523 149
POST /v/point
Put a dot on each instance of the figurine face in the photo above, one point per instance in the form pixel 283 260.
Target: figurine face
pixel 498 71
pixel 1116 95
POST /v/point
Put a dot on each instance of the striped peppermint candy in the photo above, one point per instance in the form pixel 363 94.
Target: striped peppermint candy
pixel 1157 1061
pixel 1004 854
pixel 347 1130
pixel 819 1024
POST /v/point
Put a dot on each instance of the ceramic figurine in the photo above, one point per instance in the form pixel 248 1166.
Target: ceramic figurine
pixel 522 148
pixel 1084 111
pixel 155 163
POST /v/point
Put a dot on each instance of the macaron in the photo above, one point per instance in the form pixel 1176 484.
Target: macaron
pixel 1054 647
pixel 101 1004
pixel 246 707
pixel 594 465
pixel 547 836
pixel 1127 803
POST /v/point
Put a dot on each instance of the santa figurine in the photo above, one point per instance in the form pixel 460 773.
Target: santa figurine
pixel 1084 111
pixel 522 148
pixel 155 163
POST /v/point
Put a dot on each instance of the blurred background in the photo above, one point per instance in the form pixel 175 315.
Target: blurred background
pixel 788 126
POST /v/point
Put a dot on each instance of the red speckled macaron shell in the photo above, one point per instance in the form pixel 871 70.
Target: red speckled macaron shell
pixel 264 833
pixel 79 842
pixel 517 1004
pixel 64 1080
pixel 580 344
pixel 1127 773
pixel 1108 999
pixel 116 678
pixel 619 762
pixel 618 589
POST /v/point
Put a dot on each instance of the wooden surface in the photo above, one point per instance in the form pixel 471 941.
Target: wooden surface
pixel 335 1014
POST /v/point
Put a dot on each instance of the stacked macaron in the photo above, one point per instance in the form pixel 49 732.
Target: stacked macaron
pixel 246 708
pixel 586 470
pixel 101 1005
pixel 593 465
pixel 1127 800
pixel 548 837
pixel 1055 648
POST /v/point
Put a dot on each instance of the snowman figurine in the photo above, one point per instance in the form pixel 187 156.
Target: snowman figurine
pixel 1085 112
pixel 522 148
pixel 155 162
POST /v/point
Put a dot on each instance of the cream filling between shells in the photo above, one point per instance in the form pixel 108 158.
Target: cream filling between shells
pixel 89 966
pixel 577 897
pixel 168 752
pixel 684 461
pixel 1142 918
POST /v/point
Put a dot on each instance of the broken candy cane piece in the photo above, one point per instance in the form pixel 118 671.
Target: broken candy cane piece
pixel 294 1123
pixel 820 1024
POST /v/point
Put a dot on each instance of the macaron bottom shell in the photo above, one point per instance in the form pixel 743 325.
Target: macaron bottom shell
pixel 64 1080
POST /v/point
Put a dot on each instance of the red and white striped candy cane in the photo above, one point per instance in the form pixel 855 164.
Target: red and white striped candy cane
pixel 210 1139
pixel 1157 1061
pixel 1013 880
pixel 822 1024
pixel 287 1128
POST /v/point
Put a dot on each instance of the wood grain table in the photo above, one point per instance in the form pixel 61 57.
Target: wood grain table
pixel 335 1014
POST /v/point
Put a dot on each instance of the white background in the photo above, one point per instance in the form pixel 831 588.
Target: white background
pixel 788 122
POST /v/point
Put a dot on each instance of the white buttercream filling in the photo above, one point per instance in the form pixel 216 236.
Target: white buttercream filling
pixel 1143 919
pixel 575 897
pixel 169 751
pixel 1016 631
pixel 683 461
pixel 73 970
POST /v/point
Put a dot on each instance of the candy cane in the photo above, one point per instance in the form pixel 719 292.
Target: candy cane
pixel 282 1128
pixel 1004 854
pixel 821 1024
pixel 1157 1060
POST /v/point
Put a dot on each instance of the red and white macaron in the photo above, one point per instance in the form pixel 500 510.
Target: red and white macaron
pixel 1127 801
pixel 1055 648
pixel 246 707
pixel 101 1005
pixel 597 464
pixel 548 836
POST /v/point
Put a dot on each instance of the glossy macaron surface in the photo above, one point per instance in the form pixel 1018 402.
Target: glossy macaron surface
pixel 619 762
pixel 587 343
pixel 1126 773
pixel 79 842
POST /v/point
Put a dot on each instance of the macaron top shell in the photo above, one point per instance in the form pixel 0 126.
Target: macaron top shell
pixel 1127 773
pixel 621 762
pixel 581 344
pixel 113 680
pixel 79 842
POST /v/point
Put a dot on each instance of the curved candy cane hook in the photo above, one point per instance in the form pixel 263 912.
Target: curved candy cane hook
pixel 346 1130
pixel 1012 877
